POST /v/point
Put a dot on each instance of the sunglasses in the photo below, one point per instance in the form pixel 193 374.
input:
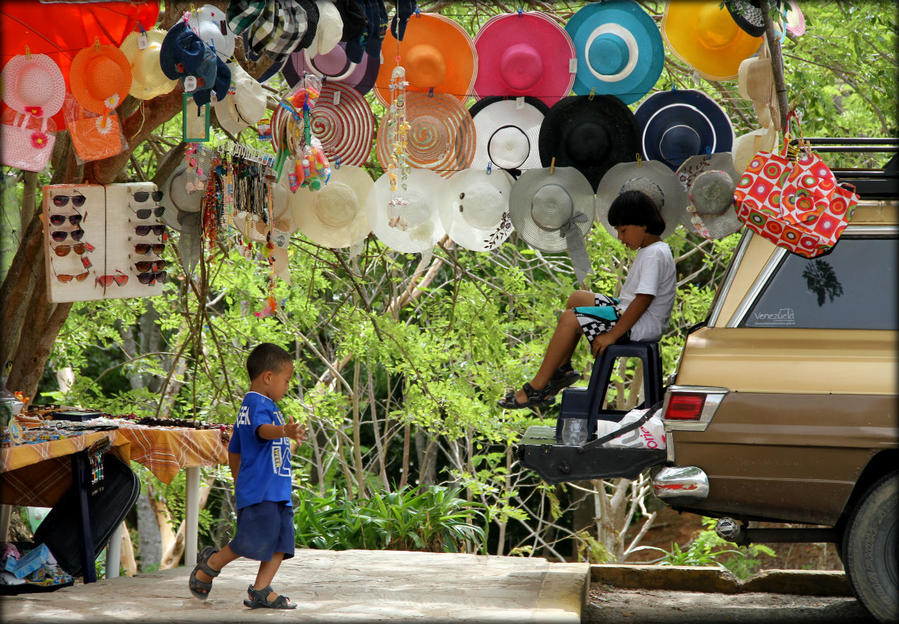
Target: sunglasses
pixel 143 230
pixel 145 213
pixel 65 278
pixel 60 235
pixel 78 248
pixel 145 248
pixel 58 219
pixel 61 200
pixel 142 196
pixel 118 278
pixel 151 278
pixel 150 265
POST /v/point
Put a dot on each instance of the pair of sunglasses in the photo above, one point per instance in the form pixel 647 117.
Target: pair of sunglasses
pixel 61 200
pixel 60 235
pixel 58 219
pixel 151 278
pixel 146 213
pixel 78 248
pixel 144 249
pixel 142 196
pixel 150 265
pixel 66 278
pixel 118 278
pixel 143 230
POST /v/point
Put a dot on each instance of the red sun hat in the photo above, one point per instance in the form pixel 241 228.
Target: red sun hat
pixel 524 54
pixel 100 77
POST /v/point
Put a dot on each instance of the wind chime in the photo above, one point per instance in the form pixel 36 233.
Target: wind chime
pixel 397 139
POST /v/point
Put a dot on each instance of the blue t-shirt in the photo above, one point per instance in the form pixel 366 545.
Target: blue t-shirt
pixel 264 473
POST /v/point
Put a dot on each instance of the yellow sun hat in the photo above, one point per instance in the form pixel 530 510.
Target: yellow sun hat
pixel 147 79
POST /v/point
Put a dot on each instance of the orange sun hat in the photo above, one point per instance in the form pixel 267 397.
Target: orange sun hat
pixel 437 54
pixel 704 35
pixel 100 77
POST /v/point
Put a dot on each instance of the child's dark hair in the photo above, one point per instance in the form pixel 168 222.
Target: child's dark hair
pixel 636 208
pixel 266 357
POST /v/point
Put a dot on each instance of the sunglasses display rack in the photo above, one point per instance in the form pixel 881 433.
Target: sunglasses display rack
pixel 119 238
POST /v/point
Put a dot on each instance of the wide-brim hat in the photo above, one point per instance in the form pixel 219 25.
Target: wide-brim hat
pixel 437 54
pixel 211 24
pixel 706 37
pixel 329 29
pixel 100 77
pixel 477 218
pixel 344 123
pixel 794 20
pixel 176 197
pixel 677 124
pixel 651 177
pixel 335 216
pixel 542 203
pixel 619 50
pixel 425 192
pixel 747 145
pixel 590 133
pixel 524 54
pixel 147 79
pixel 507 130
pixel 334 66
pixel 708 208
pixel 441 135
pixel 33 84
pixel 748 15
pixel 243 107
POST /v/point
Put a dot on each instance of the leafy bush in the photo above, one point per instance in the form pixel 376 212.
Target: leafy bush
pixel 710 549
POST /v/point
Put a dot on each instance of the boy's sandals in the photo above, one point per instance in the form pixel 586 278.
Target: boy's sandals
pixel 259 598
pixel 562 378
pixel 535 398
pixel 200 589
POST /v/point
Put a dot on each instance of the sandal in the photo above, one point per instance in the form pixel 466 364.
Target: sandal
pixel 200 589
pixel 563 377
pixel 536 398
pixel 259 598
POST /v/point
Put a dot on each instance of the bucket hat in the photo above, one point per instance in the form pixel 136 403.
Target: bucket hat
pixel 524 53
pixel 147 79
pixel 343 122
pixel 245 104
pixel 413 226
pixel 755 82
pixel 437 53
pixel 619 50
pixel 242 13
pixel 705 36
pixel 211 24
pixel 33 84
pixel 651 177
pixel 100 77
pixel 681 123
pixel 710 181
pixel 748 15
pixel 352 15
pixel 335 66
pixel 335 216
pixel 184 54
pixel 281 29
pixel 507 130
pixel 477 218
pixel 590 134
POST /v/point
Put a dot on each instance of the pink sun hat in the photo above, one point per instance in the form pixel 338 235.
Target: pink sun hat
pixel 525 53
pixel 33 84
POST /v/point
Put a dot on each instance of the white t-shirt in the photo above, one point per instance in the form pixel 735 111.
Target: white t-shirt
pixel 652 273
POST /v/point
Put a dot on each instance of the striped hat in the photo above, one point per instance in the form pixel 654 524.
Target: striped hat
pixel 344 123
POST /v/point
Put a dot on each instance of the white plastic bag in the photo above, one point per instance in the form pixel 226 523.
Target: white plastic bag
pixel 649 435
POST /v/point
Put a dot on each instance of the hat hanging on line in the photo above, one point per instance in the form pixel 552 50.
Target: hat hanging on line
pixel 328 30
pixel 755 82
pixel 279 36
pixel 175 196
pixel 334 66
pixel 507 130
pixel 147 79
pixel 477 218
pixel 704 36
pixel 352 15
pixel 437 54
pixel 245 104
pixel 619 50
pixel 33 84
pixel 211 24
pixel 416 223
pixel 590 133
pixel 100 78
pixel 344 123
pixel 335 216
pixel 441 134
pixel 524 54
pixel 748 15
pixel 651 177
pixel 794 20
pixel 183 55
pixel 710 181
pixel 682 123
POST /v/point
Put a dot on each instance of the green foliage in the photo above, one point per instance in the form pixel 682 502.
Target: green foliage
pixel 707 548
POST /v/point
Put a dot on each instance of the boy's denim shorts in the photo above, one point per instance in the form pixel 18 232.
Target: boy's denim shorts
pixel 264 529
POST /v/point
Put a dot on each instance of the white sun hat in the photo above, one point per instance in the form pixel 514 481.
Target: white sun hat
pixel 413 226
pixel 211 24
pixel 245 106
pixel 477 218
pixel 335 216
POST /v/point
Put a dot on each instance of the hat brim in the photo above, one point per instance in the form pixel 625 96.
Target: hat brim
pixel 747 16
pixel 496 116
pixel 615 181
pixel 344 123
pixel 461 231
pixel 424 188
pixel 55 87
pixel 202 21
pixel 545 35
pixel 146 87
pixel 306 217
pixel 721 225
pixel 521 198
pixel 77 77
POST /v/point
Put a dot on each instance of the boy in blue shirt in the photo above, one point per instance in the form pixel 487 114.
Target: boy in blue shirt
pixel 259 457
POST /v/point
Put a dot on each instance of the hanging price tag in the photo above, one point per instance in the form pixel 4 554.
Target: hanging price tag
pixel 190 83
pixel 142 41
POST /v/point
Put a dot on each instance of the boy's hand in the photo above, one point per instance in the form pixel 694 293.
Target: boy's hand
pixel 601 342
pixel 295 431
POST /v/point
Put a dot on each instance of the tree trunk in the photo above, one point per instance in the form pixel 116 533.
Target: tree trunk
pixel 126 559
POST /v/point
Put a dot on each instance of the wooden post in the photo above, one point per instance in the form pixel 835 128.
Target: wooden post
pixel 777 65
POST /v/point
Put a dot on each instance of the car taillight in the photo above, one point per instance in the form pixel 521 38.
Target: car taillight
pixel 685 406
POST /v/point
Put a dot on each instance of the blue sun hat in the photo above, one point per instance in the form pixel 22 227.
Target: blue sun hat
pixel 619 50
pixel 184 54
pixel 677 124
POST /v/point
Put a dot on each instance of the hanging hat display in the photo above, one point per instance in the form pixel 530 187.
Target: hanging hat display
pixel 344 123
pixel 352 16
pixel 438 55
pixel 590 134
pixel 705 36
pixel 477 218
pixel 245 104
pixel 211 24
pixel 619 50
pixel 748 15
pixel 412 225
pixel 34 85
pixel 335 66
pixel 755 82
pixel 794 20
pixel 277 36
pixel 651 177
pixel 710 181
pixel 184 55
pixel 100 78
pixel 329 29
pixel 441 135
pixel 507 130
pixel 147 79
pixel 682 123
pixel 524 54
pixel 335 216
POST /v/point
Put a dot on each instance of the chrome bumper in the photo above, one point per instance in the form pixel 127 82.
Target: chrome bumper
pixel 680 484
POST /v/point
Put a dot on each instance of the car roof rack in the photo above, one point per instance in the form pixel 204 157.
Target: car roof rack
pixel 869 183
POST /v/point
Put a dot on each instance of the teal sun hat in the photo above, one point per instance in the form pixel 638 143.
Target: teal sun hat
pixel 619 50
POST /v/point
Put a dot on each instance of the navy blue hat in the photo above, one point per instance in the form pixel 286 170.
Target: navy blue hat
pixel 220 85
pixel 404 10
pixel 183 53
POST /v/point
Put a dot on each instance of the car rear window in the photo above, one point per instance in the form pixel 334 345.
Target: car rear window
pixel 853 287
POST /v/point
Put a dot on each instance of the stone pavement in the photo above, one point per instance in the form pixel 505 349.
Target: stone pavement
pixel 333 586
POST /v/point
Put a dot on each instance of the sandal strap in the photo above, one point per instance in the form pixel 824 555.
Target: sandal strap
pixel 203 562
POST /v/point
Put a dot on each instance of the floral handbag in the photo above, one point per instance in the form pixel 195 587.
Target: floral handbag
pixel 26 148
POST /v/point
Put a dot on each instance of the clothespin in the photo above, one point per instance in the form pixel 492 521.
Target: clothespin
pixel 708 150
pixel 431 92
pixel 27 51
pixel 520 10
pixel 552 166
pixel 489 167
pixel 639 159
pixel 97 42
pixel 592 92
pixel 337 162
pixel 417 11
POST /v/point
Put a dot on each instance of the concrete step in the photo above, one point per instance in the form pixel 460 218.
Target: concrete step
pixel 333 586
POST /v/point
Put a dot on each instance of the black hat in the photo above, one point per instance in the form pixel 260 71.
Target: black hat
pixel 748 15
pixel 354 21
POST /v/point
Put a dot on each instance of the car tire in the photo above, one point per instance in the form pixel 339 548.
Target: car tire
pixel 870 549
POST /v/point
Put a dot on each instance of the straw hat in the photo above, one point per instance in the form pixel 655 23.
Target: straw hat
pixel 477 218
pixel 651 177
pixel 335 216
pixel 542 203
pixel 710 181
pixel 748 15
pixel 100 77
pixel 524 54
pixel 619 49
pixel 33 84
pixel 211 24
pixel 419 215
pixel 175 196
pixel 681 123
pixel 705 36
pixel 746 146
pixel 590 134
pixel 147 79
pixel 437 53
pixel 245 104
pixel 507 130
pixel 343 122
pixel 335 66
pixel 329 29
pixel 755 82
